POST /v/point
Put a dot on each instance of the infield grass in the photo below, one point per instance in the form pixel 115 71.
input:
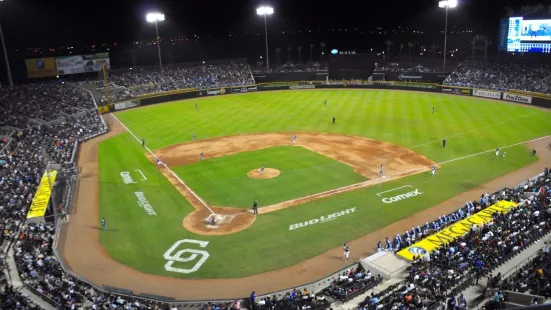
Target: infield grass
pixel 139 240
pixel 303 173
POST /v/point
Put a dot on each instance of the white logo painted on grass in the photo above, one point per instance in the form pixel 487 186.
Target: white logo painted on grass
pixel 143 203
pixel 193 255
pixel 126 178
pixel 322 219
pixel 407 195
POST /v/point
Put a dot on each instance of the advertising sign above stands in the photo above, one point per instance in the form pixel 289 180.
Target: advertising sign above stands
pixel 40 67
pixel 427 77
pixel 244 89
pixel 81 63
pixel 487 94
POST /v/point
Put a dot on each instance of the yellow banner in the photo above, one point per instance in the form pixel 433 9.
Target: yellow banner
pixel 41 67
pixel 103 109
pixel 455 231
pixel 42 196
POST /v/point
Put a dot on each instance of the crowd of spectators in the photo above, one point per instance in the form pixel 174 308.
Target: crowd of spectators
pixel 507 76
pixel 351 284
pixel 44 102
pixel 398 68
pixel 290 67
pixel 139 81
pixel 296 299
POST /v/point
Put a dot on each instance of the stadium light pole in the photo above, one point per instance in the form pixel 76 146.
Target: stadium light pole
pixel 10 80
pixel 155 18
pixel 265 11
pixel 447 4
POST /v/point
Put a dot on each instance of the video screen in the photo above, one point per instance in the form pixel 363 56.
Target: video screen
pixel 529 35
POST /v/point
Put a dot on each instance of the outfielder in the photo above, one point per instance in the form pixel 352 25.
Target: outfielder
pixel 433 170
pixel 497 151
pixel 294 138
pixel 346 252
pixel 193 137
pixel 104 223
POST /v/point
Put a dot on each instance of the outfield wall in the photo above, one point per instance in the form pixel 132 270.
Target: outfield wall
pixel 535 99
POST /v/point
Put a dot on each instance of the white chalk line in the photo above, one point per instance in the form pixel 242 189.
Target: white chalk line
pixel 143 176
pixel 169 170
pixel 472 130
pixel 393 189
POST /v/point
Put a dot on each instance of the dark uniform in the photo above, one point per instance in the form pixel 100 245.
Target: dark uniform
pixel 255 207
pixel 444 143
pixel 334 119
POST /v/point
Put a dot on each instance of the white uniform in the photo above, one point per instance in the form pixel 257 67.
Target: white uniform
pixel 433 170
pixel 497 151
pixel 346 252
pixel 294 138
pixel 159 162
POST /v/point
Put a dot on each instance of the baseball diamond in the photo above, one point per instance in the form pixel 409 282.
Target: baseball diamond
pixel 183 222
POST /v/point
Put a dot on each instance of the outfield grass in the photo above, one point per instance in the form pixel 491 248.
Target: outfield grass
pixel 223 181
pixel 470 125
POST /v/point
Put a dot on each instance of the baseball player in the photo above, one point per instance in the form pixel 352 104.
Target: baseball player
pixel 255 207
pixel 262 170
pixel 346 252
pixel 334 120
pixel 143 142
pixel 325 102
pixel 212 220
pixel 196 107
pixel 104 223
pixel 382 172
pixel 497 151
pixel 444 143
pixel 159 162
pixel 202 155
pixel 193 137
pixel 432 110
pixel 433 170
pixel 294 138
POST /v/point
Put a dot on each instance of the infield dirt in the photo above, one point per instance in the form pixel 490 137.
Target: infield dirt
pixel 86 257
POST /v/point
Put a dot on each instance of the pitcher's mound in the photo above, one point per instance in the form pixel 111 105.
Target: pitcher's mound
pixel 267 174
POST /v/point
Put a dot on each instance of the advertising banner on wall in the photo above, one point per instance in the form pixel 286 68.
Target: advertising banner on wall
pixel 517 98
pixel 427 77
pixel 244 89
pixel 212 92
pixel 487 94
pixel 456 91
pixel 126 105
pixel 302 87
pixel 456 230
pixel 40 67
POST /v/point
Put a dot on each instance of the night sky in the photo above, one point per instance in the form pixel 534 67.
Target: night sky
pixel 29 23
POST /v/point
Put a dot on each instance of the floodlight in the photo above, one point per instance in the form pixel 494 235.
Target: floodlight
pixel 447 4
pixel 155 17
pixel 265 10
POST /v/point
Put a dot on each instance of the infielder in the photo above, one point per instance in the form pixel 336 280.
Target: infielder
pixel 346 251
pixel 382 172
pixel 159 162
pixel 104 223
pixel 294 138
pixel 202 155
pixel 433 170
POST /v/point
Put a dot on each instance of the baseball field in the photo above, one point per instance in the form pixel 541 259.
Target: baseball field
pixel 314 194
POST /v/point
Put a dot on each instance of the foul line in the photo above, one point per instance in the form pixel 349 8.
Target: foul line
pixel 393 189
pixel 169 170
pixel 473 130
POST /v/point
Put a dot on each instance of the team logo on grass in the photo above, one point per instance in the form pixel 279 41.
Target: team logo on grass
pixel 127 178
pixel 408 195
pixel 415 250
pixel 199 256
pixel 322 219
pixel 144 204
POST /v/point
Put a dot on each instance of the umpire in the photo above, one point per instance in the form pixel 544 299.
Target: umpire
pixel 255 207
